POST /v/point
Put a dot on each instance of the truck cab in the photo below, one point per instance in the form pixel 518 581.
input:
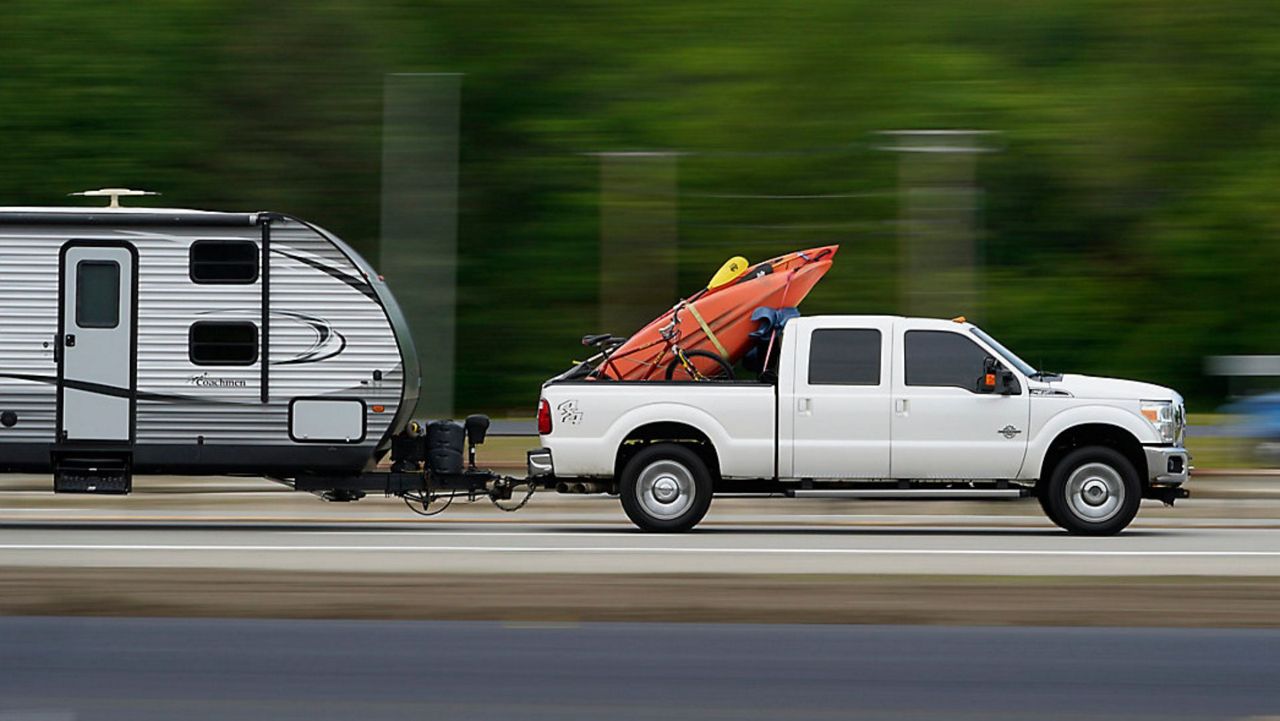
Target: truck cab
pixel 875 406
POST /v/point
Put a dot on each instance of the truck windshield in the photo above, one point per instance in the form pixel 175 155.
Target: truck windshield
pixel 1005 353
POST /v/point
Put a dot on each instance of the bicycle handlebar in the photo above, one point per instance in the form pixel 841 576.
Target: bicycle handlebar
pixel 668 331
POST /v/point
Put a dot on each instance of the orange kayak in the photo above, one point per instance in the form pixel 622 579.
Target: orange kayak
pixel 719 320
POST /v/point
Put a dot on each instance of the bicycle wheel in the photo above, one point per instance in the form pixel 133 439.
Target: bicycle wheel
pixel 717 369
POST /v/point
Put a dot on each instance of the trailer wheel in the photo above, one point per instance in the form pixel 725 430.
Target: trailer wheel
pixel 665 487
pixel 1094 491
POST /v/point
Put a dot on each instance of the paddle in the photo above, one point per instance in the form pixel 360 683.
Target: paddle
pixel 732 270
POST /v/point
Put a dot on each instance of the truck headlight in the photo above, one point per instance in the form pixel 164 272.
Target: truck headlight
pixel 1167 417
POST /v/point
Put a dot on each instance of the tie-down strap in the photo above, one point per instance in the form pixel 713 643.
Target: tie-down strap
pixel 707 329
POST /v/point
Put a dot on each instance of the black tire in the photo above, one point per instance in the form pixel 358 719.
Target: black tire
pixel 726 370
pixel 1042 495
pixel 665 488
pixel 1094 491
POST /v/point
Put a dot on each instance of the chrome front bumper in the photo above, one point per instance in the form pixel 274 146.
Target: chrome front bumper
pixel 1168 465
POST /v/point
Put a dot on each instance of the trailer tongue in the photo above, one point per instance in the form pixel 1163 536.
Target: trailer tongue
pixel 429 473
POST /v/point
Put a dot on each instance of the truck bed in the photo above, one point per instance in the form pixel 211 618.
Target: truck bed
pixel 739 417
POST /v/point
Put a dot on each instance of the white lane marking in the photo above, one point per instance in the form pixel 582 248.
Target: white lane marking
pixel 781 529
pixel 725 520
pixel 651 549
pixel 724 529
pixel 156 494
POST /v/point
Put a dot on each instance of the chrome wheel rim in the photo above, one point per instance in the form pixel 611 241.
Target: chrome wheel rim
pixel 665 489
pixel 1095 492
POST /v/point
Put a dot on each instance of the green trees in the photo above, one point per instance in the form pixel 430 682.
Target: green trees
pixel 1127 224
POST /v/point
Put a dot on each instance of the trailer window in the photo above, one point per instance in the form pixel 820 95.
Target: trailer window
pixel 223 343
pixel 224 261
pixel 942 358
pixel 844 356
pixel 97 294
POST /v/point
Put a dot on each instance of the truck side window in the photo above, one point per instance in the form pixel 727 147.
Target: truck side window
pixel 845 357
pixel 940 358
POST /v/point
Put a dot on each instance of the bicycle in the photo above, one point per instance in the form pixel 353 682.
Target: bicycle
pixel 680 367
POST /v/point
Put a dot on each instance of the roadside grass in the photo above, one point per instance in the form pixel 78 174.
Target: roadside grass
pixel 1219 452
pixel 1188 601
pixel 505 451
pixel 1222 453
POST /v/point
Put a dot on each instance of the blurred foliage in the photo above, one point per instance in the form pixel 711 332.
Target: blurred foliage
pixel 1128 222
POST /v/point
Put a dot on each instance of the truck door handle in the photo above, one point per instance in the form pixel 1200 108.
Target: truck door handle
pixel 900 406
pixel 804 406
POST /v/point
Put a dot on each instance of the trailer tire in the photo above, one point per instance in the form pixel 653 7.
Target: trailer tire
pixel 665 488
pixel 1094 491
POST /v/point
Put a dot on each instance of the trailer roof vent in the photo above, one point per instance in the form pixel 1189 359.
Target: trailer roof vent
pixel 115 194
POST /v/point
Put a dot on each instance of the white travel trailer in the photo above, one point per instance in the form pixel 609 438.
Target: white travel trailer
pixel 147 340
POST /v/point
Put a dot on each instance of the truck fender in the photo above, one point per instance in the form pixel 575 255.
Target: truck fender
pixel 667 413
pixel 1075 416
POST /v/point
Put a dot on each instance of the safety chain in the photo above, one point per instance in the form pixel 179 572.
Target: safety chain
pixel 528 494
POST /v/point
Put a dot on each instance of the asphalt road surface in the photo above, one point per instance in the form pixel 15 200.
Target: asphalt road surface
pixel 63 669
pixel 252 524
pixel 998 548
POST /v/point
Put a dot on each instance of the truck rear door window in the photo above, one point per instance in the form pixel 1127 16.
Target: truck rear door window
pixel 844 356
pixel 940 358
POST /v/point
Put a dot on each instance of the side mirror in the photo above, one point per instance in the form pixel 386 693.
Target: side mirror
pixel 1009 385
pixel 990 373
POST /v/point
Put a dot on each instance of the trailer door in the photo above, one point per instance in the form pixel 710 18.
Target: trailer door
pixel 96 343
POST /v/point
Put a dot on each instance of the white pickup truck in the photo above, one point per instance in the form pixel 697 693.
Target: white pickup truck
pixel 871 406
